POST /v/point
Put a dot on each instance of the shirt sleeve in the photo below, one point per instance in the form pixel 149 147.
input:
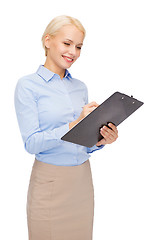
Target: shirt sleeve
pixel 35 140
pixel 94 148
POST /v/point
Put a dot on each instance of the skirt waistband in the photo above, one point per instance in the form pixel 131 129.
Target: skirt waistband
pixel 49 169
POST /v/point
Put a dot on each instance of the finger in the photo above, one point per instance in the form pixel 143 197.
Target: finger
pixel 113 127
pixel 101 142
pixel 107 136
pixel 93 104
pixel 108 133
pixel 92 108
pixel 108 140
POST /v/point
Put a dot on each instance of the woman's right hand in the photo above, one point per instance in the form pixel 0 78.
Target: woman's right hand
pixel 87 109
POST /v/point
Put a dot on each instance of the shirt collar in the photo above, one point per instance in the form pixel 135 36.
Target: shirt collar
pixel 67 74
pixel 47 75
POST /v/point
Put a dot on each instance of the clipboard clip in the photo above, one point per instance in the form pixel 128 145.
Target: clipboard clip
pixel 131 97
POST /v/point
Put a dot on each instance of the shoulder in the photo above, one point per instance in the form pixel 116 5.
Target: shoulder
pixel 79 83
pixel 27 80
pixel 26 86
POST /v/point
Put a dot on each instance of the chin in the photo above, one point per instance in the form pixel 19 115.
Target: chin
pixel 67 66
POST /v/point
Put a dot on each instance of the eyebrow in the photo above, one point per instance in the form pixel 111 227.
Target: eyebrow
pixel 72 41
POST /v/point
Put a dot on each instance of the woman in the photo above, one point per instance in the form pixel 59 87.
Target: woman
pixel 48 103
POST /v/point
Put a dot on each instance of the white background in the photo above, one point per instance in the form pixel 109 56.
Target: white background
pixel 122 52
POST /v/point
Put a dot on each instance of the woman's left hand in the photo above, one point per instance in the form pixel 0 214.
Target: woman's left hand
pixel 110 135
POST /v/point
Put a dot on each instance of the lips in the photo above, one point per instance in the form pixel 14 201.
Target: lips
pixel 68 59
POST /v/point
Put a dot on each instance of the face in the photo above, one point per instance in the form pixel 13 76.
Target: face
pixel 64 48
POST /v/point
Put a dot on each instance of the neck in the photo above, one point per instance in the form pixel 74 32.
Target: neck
pixel 49 65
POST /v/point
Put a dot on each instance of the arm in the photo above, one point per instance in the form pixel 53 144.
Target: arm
pixel 35 140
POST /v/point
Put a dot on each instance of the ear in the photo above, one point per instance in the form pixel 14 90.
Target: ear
pixel 47 41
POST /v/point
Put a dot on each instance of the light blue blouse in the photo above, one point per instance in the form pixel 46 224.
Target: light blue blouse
pixel 45 105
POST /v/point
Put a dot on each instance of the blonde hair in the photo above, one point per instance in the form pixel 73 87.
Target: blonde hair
pixel 54 26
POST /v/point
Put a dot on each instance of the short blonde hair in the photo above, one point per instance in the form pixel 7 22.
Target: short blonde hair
pixel 54 26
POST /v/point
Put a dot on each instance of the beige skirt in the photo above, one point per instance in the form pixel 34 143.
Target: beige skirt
pixel 60 203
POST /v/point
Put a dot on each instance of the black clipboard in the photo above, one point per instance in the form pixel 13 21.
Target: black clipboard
pixel 114 110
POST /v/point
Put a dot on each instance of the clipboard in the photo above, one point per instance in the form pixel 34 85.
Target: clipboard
pixel 114 110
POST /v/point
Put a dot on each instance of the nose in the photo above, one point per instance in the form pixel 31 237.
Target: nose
pixel 72 50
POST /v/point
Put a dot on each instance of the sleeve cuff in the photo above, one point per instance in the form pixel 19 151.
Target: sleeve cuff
pixel 94 148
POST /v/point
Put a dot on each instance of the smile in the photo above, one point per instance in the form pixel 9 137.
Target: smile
pixel 68 59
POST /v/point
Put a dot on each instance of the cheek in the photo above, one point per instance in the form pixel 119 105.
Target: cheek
pixel 57 49
pixel 62 50
pixel 78 54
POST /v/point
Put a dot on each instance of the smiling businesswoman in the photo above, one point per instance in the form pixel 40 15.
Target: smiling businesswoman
pixel 60 203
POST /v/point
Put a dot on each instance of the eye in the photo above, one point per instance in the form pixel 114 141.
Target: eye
pixel 66 43
pixel 79 48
